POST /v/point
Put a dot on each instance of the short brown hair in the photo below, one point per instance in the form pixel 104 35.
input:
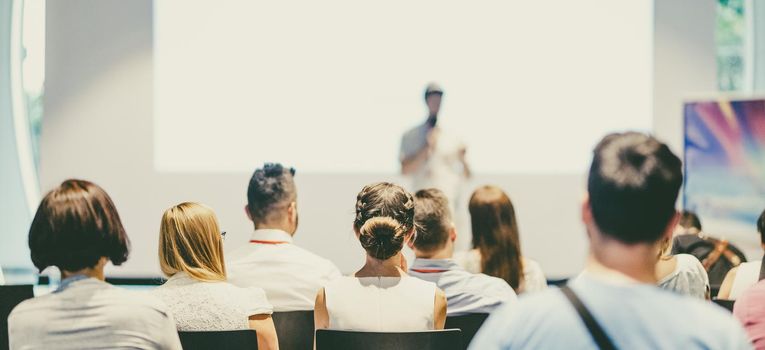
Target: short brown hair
pixel 75 226
pixel 432 218
pixel 384 217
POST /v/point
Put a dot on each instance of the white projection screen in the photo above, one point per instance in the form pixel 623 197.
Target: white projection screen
pixel 330 86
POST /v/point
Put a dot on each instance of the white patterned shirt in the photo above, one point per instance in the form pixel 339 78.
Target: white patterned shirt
pixel 211 306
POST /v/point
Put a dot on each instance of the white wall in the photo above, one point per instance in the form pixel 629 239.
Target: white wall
pixel 684 62
pixel 14 211
pixel 98 126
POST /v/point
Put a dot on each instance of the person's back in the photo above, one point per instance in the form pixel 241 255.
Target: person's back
pixel 290 275
pixel 688 277
pixel 634 316
pixel 85 313
pixel 210 306
pixel 381 297
pixel 629 214
pixel 380 304
pixel 77 229
pixel 466 292
pixel 749 309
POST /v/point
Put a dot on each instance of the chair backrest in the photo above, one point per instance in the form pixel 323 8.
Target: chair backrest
pixel 294 329
pixel 727 304
pixel 468 324
pixel 449 339
pixel 10 296
pixel 230 340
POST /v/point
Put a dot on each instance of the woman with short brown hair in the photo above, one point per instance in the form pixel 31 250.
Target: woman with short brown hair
pixel 78 230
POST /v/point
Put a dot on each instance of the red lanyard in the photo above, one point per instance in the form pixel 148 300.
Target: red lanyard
pixel 267 242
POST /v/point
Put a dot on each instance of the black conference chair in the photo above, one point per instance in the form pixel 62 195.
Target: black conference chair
pixel 449 339
pixel 10 296
pixel 294 329
pixel 727 304
pixel 468 324
pixel 230 340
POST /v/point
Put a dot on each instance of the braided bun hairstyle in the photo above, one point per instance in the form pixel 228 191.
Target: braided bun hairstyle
pixel 384 217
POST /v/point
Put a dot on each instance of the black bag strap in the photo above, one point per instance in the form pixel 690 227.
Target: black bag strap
pixel 597 332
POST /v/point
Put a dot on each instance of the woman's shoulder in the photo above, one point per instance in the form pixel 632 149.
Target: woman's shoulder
pixel 687 262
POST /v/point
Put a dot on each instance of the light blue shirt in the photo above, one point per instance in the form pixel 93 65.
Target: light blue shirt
pixel 86 313
pixel 466 292
pixel 635 316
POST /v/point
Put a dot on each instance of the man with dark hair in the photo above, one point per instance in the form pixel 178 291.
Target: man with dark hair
pixel 434 246
pixel 633 185
pixel 431 155
pixel 291 276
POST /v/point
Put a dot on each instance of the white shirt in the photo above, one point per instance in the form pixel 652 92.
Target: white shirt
pixel 2 278
pixel 211 306
pixel 443 169
pixel 534 279
pixel 291 276
pixel 466 292
pixel 381 304
pixel 688 278
pixel 86 313
pixel 747 275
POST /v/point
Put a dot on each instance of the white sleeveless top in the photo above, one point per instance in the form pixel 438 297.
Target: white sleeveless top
pixel 747 275
pixel 211 306
pixel 381 304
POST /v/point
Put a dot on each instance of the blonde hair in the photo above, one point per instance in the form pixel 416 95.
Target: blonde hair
pixel 190 241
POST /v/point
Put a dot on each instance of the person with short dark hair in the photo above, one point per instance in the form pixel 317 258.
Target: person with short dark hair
pixel 689 222
pixel 740 278
pixel 78 230
pixel 290 275
pixel 632 187
pixel 433 246
pixel 432 155
pixel 381 297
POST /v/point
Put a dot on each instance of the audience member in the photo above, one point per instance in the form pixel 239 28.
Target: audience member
pixel 681 273
pixel 77 229
pixel 717 256
pixel 434 246
pixel 745 275
pixel 632 189
pixel 496 243
pixel 381 297
pixel 750 310
pixel 688 224
pixel 200 299
pixel 290 275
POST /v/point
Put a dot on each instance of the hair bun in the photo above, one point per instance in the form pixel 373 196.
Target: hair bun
pixel 382 237
pixel 273 169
